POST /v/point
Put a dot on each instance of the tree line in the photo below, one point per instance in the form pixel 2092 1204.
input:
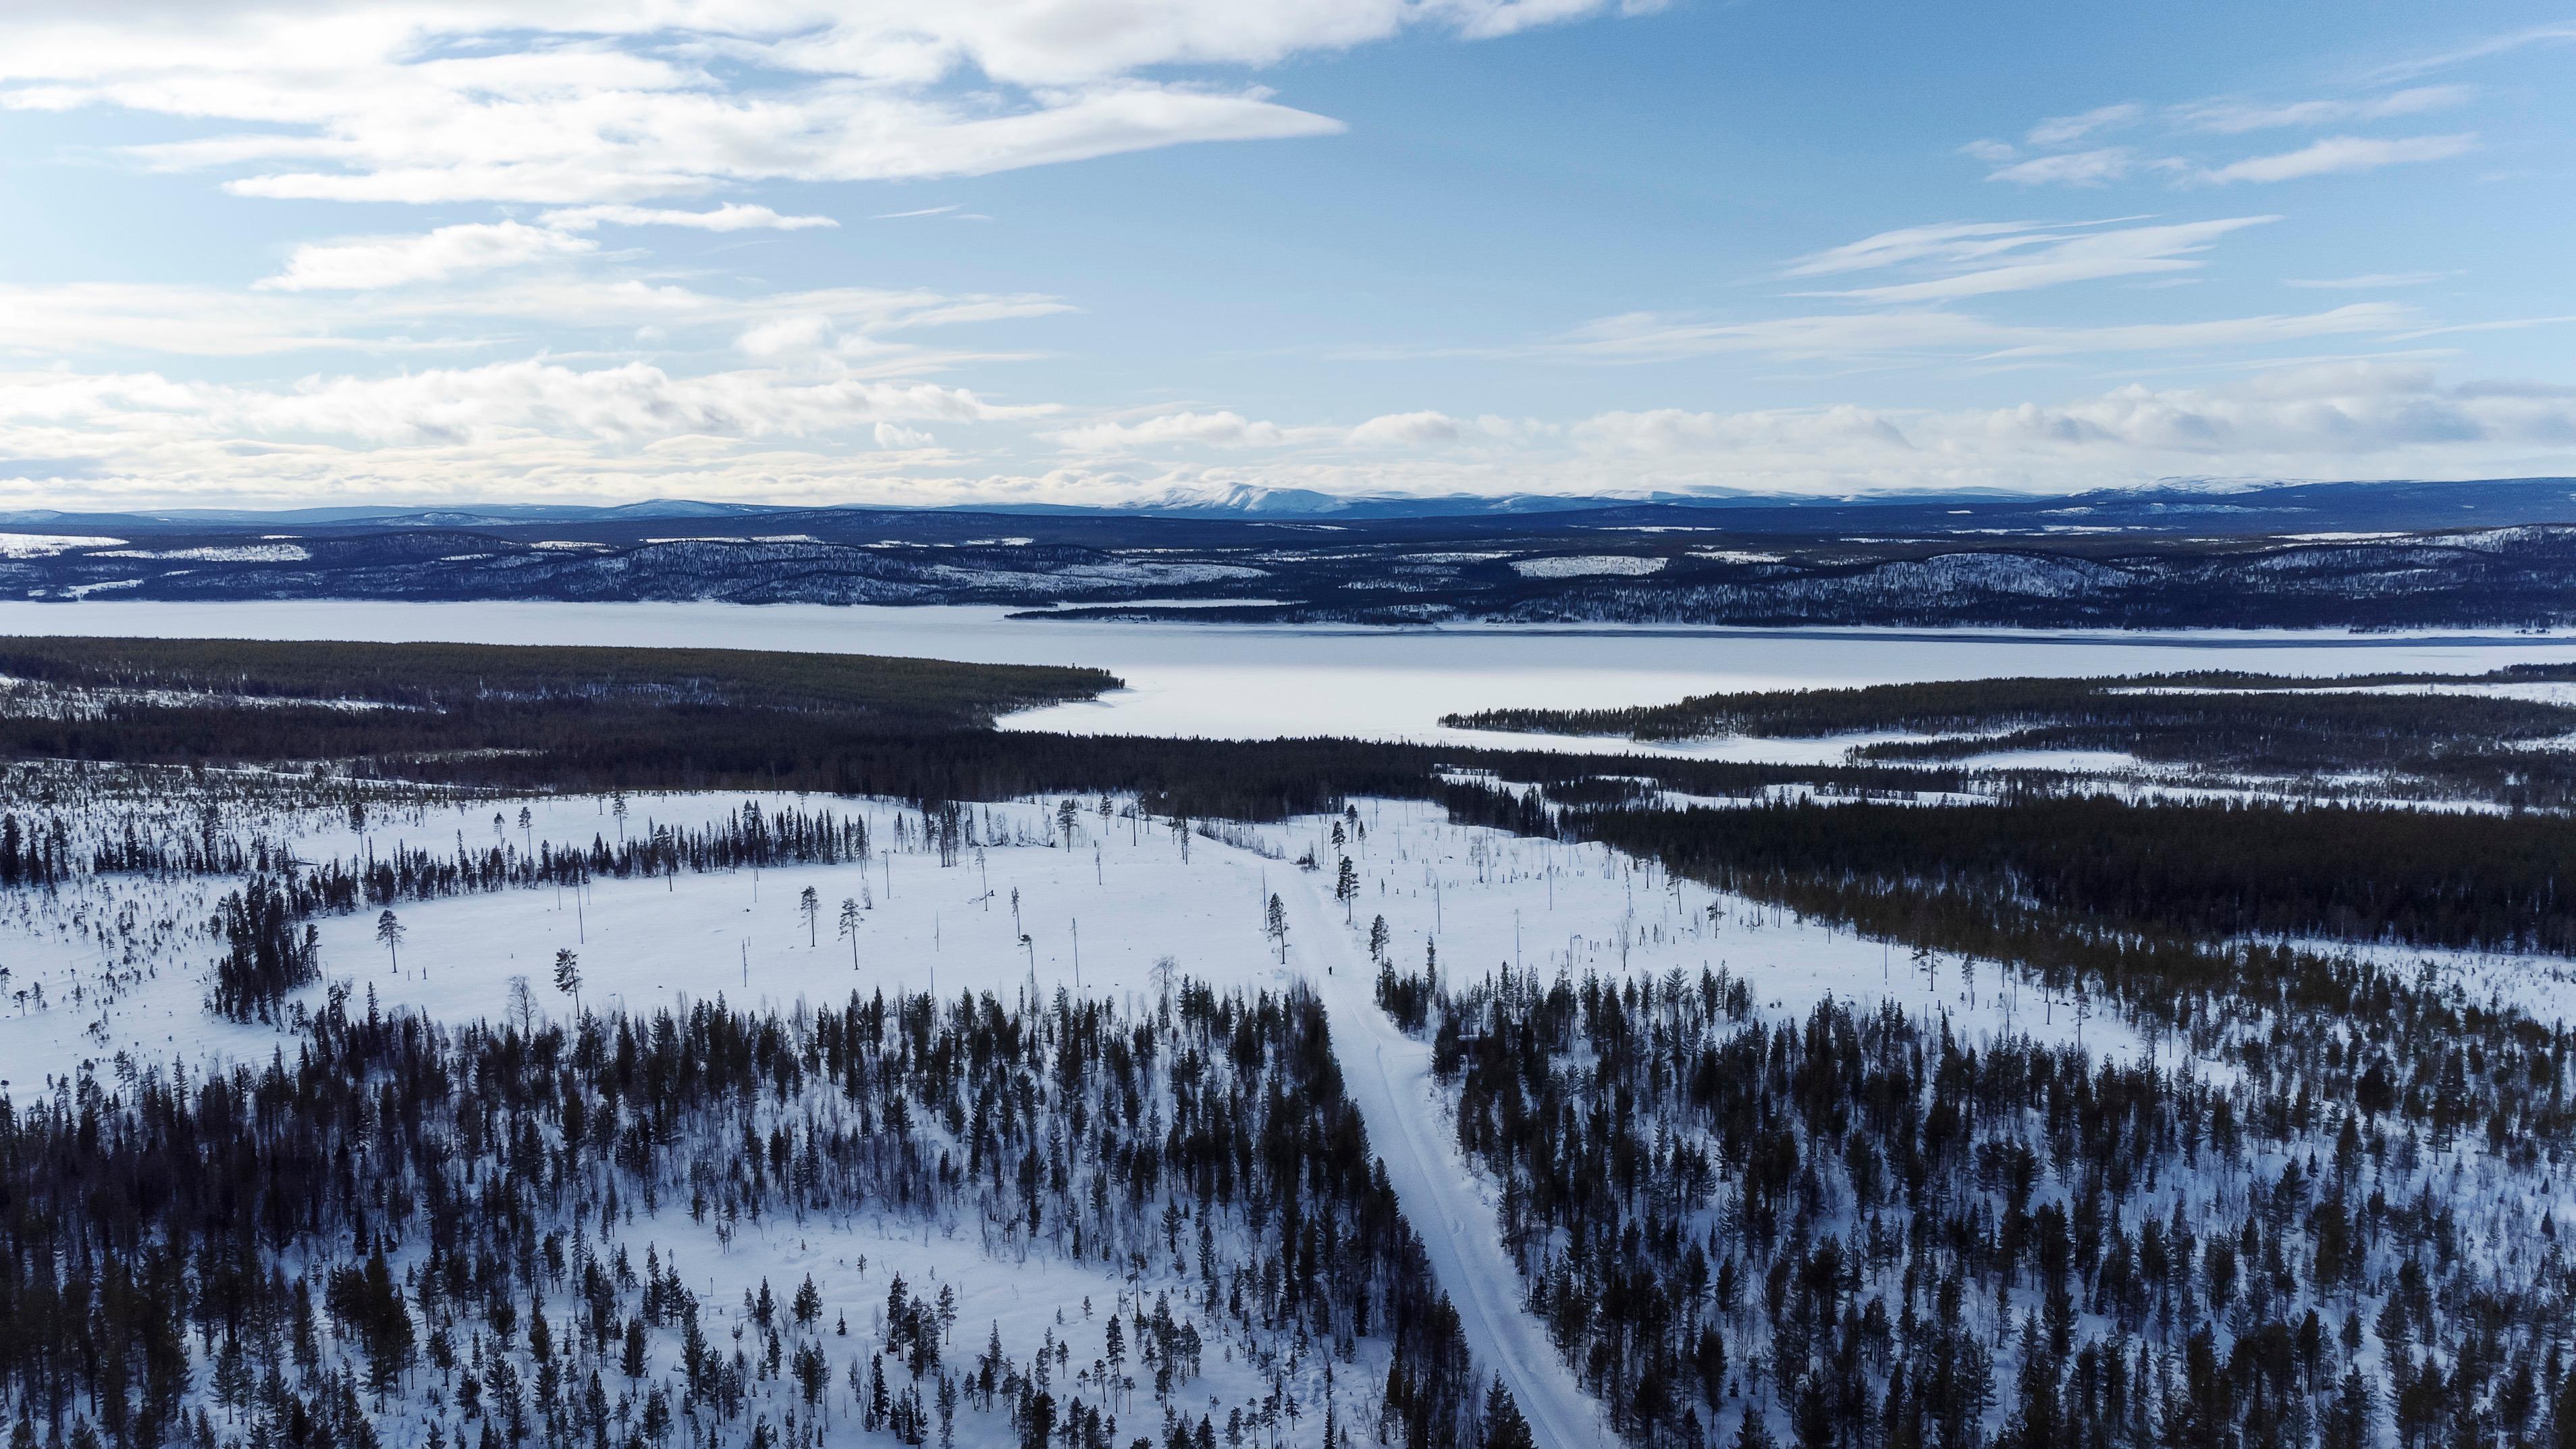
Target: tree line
pixel 2418 741
pixel 2209 870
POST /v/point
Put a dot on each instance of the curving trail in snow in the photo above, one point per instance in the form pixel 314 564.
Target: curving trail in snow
pixel 1388 1075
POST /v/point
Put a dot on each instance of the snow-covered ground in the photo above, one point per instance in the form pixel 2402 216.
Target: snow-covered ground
pixel 1389 1075
pixel 2540 986
pixel 1023 1302
pixel 648 943
pixel 1115 915
pixel 1488 899
pixel 1096 918
pixel 1118 913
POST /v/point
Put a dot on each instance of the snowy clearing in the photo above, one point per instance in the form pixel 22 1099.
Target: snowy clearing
pixel 46 545
pixel 1590 565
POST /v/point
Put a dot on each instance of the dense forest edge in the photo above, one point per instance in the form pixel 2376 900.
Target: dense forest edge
pixel 2487 737
pixel 1947 706
pixel 63 674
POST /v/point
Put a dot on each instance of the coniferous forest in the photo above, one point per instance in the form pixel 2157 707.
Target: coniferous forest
pixel 210 1259
pixel 1876 1233
pixel 2123 1117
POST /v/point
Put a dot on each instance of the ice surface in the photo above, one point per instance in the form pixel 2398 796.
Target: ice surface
pixel 1249 681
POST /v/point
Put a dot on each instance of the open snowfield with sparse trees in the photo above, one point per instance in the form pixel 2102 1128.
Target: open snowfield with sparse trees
pixel 541 947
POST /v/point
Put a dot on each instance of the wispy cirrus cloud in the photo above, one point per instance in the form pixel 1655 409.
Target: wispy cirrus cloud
pixel 1985 258
pixel 1929 335
pixel 1919 313
pixel 732 216
pixel 2061 131
pixel 90 318
pixel 2096 167
pixel 2335 155
pixel 2501 43
pixel 2368 281
pixel 2070 150
pixel 2235 117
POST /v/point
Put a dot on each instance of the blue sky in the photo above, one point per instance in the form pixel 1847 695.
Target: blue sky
pixel 918 251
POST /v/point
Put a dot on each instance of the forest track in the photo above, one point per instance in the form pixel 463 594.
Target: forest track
pixel 1388 1076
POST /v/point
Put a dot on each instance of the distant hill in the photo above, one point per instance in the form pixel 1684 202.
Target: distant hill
pixel 2188 553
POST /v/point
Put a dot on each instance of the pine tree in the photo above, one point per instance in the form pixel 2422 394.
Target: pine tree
pixel 568 976
pixel 1504 1426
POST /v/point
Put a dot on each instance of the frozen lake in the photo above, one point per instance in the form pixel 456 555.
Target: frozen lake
pixel 1243 681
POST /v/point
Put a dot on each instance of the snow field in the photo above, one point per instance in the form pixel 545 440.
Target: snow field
pixel 854 1263
pixel 1491 900
pixel 1097 918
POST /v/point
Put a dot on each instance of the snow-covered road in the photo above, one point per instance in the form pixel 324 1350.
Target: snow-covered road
pixel 1388 1075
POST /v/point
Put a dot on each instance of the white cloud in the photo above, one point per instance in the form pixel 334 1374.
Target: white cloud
pixel 2369 281
pixel 2060 131
pixel 498 403
pixel 633 403
pixel 2550 34
pixel 2054 164
pixel 1225 429
pixel 1984 258
pixel 1943 241
pixel 801 333
pixel 2338 154
pixel 466 315
pixel 539 430
pixel 1405 430
pixel 1230 430
pixel 2228 117
pixel 1641 337
pixel 2317 419
pixel 676 144
pixel 2076 168
pixel 605 102
pixel 732 216
pixel 86 317
pixel 2358 318
pixel 363 263
pixel 1915 318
